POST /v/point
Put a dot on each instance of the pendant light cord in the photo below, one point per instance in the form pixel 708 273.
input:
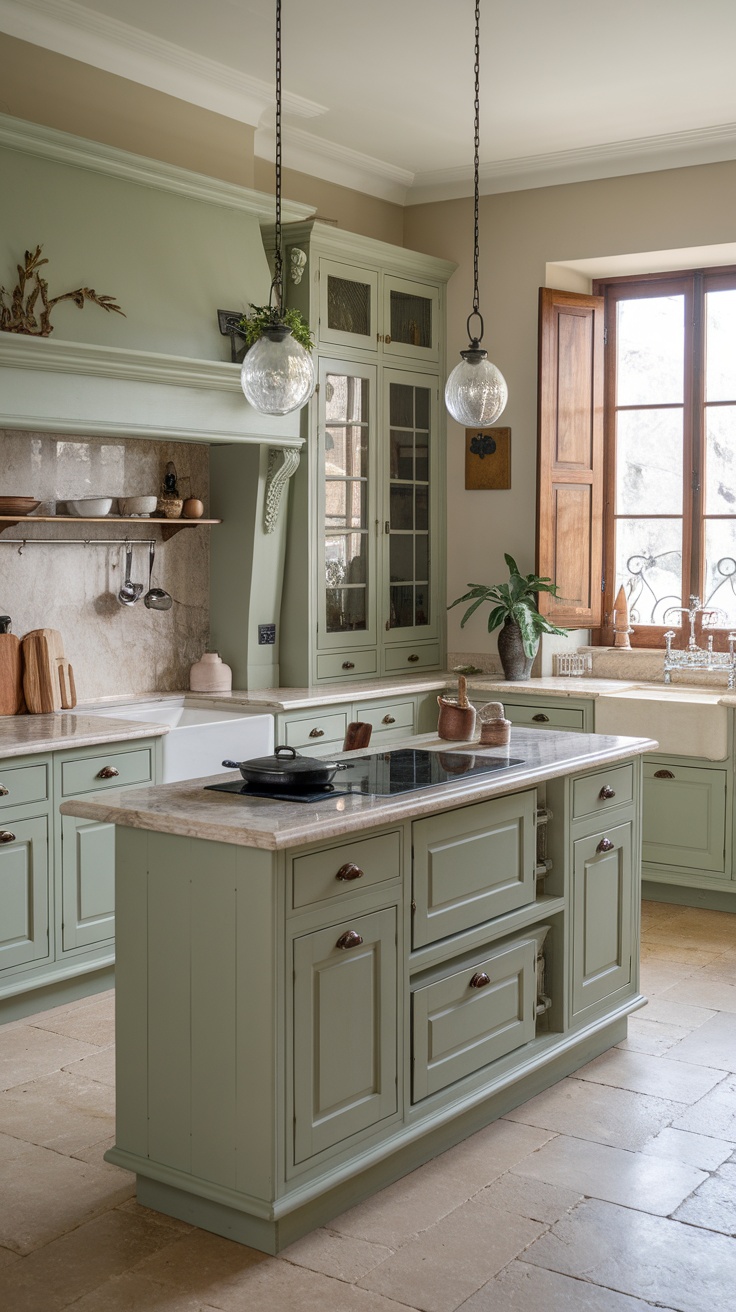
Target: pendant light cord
pixel 476 168
pixel 277 284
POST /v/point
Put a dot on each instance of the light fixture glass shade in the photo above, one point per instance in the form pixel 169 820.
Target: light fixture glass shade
pixel 277 374
pixel 476 391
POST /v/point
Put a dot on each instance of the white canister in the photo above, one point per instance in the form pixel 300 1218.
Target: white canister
pixel 210 674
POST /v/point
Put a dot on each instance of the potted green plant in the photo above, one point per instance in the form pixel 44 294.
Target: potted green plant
pixel 263 317
pixel 513 610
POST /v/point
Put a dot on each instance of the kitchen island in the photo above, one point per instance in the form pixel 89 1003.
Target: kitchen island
pixel 315 998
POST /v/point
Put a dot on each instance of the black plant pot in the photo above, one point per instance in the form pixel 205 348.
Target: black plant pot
pixel 514 660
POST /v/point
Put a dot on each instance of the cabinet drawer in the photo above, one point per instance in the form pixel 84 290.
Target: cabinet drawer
pixel 315 730
pixel 602 790
pixel 684 816
pixel 473 1016
pixel 87 774
pixel 23 783
pixel 472 864
pixel 336 665
pixel 333 873
pixel 544 717
pixel 412 657
pixel 388 717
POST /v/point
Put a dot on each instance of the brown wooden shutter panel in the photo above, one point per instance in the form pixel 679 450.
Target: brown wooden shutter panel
pixel 570 456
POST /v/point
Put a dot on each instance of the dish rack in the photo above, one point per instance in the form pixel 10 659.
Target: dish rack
pixel 572 663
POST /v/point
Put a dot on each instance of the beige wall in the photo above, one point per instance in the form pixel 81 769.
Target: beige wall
pixel 521 232
pixel 349 209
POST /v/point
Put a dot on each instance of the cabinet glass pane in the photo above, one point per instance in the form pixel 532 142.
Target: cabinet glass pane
pixel 421 556
pixel 650 350
pixel 411 319
pixel 402 558
pixel 421 514
pixel 402 507
pixel 346 502
pixel 346 558
pixel 348 305
pixel 346 610
pixel 402 608
pixel 401 407
pixel 346 451
pixel 409 548
pixel 720 378
pixel 401 455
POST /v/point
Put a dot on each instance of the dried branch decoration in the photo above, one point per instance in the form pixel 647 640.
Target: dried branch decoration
pixel 19 316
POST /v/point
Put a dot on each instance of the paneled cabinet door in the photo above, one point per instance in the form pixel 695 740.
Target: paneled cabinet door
pixel 87 882
pixel 348 305
pixel 345 1030
pixel 410 506
pixel 24 891
pixel 602 915
pixel 411 319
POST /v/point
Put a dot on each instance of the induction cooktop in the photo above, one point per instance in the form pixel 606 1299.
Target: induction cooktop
pixel 401 771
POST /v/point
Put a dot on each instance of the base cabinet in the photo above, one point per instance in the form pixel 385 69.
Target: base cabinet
pixel 685 816
pixel 87 883
pixel 24 891
pixel 603 911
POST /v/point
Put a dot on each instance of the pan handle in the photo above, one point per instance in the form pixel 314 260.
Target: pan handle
pixel 232 765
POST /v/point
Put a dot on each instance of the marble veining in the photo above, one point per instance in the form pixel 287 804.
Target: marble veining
pixel 186 809
pixel 22 735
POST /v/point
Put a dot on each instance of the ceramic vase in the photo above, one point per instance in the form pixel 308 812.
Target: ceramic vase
pixel 514 660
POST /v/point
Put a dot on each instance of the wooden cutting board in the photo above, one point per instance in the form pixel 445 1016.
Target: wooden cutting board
pixel 48 680
pixel 11 675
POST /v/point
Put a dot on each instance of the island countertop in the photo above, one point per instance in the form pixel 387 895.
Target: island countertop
pixel 187 809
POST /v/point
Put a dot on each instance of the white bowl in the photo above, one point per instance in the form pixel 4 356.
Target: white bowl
pixel 90 507
pixel 136 506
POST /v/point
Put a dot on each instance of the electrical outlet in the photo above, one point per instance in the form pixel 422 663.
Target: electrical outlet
pixel 266 635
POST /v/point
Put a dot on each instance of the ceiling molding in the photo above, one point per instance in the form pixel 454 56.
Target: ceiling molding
pixel 331 162
pixel 69 29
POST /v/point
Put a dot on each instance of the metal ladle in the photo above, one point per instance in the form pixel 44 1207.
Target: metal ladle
pixel 130 592
pixel 156 598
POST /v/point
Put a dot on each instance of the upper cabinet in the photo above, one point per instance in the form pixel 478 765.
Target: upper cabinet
pixel 366 547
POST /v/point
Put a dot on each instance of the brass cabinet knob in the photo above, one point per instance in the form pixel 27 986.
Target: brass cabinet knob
pixel 6 836
pixel 541 718
pixel 605 845
pixel 387 339
pixel 316 733
pixel 479 980
pixel 663 774
pixel 350 939
pixel 389 719
pixel 413 657
pixel 348 665
pixel 107 772
pixel 4 791
pixel 606 793
pixel 349 871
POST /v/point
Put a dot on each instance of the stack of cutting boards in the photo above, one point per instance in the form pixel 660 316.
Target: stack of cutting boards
pixel 34 674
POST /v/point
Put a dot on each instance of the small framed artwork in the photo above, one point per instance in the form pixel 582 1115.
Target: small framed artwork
pixel 487 459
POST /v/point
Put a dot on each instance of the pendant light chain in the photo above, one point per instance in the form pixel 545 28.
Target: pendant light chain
pixel 277 285
pixel 476 165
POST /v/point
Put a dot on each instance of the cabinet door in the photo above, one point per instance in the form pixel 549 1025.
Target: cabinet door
pixel 87 882
pixel 602 915
pixel 24 891
pixel 410 488
pixel 348 299
pixel 346 566
pixel 345 1019
pixel 684 816
pixel 411 317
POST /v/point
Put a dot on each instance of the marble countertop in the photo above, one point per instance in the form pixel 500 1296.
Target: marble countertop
pixel 592 688
pixel 365 690
pixel 22 735
pixel 187 809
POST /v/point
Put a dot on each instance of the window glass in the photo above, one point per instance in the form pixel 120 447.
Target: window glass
pixel 720 337
pixel 649 462
pixel 650 337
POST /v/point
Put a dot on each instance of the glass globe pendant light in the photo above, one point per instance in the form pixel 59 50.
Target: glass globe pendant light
pixel 476 391
pixel 278 373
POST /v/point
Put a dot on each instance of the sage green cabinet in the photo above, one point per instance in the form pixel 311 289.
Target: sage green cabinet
pixel 602 914
pixel 685 816
pixel 87 883
pixel 24 890
pixel 321 729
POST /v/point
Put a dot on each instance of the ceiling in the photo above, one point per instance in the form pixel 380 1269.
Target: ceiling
pixel 378 94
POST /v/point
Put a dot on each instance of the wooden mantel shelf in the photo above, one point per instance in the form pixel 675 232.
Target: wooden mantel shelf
pixel 168 526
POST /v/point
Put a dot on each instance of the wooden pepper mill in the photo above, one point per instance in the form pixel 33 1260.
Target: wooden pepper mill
pixel 457 717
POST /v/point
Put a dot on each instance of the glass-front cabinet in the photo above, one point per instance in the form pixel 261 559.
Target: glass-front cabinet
pixel 410 485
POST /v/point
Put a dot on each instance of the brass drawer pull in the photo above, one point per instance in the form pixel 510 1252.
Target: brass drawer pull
pixel 387 339
pixel 349 871
pixel 4 791
pixel 605 845
pixel 479 980
pixel 316 733
pixel 413 657
pixel 350 939
pixel 606 793
pixel 663 774
pixel 6 836
pixel 348 665
pixel 541 718
pixel 107 772
pixel 389 719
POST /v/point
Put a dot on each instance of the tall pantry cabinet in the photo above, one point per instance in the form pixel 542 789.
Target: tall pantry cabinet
pixel 364 586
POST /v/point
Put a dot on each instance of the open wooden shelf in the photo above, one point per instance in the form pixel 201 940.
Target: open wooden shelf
pixel 168 526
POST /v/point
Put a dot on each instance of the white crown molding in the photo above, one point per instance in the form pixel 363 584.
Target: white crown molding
pixel 331 162
pixel 63 148
pixel 18 351
pixel 79 33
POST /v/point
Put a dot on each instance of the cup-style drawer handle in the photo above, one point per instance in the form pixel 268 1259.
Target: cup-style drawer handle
pixel 541 718
pixel 350 939
pixel 389 719
pixel 606 793
pixel 479 980
pixel 605 845
pixel 316 733
pixel 107 772
pixel 663 774
pixel 348 665
pixel 4 791
pixel 413 657
pixel 349 871
pixel 6 836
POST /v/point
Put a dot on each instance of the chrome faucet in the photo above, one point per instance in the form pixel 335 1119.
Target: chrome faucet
pixel 695 657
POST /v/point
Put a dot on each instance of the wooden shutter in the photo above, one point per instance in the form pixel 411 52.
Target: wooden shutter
pixel 570 456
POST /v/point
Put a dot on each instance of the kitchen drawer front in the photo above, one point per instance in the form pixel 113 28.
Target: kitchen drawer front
pixel 600 791
pixel 473 1016
pixel 20 784
pixel 336 665
pixel 412 657
pixel 317 729
pixel 684 816
pixel 24 891
pixel 545 717
pixel 115 769
pixel 388 717
pixel 336 872
pixel 472 864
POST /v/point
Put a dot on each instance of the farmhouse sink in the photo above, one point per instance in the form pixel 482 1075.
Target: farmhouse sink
pixel 200 738
pixel 684 721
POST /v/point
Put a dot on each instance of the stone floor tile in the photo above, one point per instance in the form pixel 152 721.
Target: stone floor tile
pixel 132 1205
pixel 94 1153
pixel 59 1111
pixel 674 1013
pixel 7 1258
pixel 441 1268
pixel 135 1293
pixel 100 1066
pixel 534 1199
pixel 651 1036
pixel 685 956
pixel 657 977
pixel 713 1115
pixel 711 1044
pixel 51 1195
pixel 336 1255
pixel 523 1288
pixel 92 1019
pixel 704 991
pixel 692 1149
pixel 652 1184
pixel 661 1261
pixel 27 1054
pixel 602 1113
pixel 202 1264
pixel 713 1205
pixel 678 1081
